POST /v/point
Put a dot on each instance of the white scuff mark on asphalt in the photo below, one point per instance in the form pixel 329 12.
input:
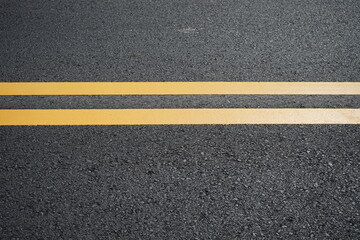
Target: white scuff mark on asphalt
pixel 188 30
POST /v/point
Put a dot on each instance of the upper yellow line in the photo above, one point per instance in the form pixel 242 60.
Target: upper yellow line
pixel 179 88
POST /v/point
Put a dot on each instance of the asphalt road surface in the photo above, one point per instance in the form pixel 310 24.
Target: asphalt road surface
pixel 180 181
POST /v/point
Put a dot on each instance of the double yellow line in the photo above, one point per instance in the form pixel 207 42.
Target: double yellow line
pixel 179 116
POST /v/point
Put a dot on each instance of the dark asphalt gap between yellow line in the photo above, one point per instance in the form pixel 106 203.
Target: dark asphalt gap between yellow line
pixel 179 88
pixel 34 117
pixel 178 101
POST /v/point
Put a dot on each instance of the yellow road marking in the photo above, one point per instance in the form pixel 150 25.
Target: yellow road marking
pixel 177 116
pixel 179 88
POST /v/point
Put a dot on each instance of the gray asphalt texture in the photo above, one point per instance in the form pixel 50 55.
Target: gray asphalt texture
pixel 180 40
pixel 180 182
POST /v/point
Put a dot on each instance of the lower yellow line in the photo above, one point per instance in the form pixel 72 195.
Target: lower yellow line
pixel 178 88
pixel 177 116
